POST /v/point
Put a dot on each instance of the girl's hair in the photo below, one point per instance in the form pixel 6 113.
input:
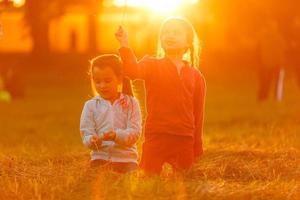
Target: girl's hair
pixel 192 53
pixel 114 62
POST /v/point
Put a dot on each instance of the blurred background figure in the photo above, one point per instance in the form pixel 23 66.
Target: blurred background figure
pixel 272 57
pixel 4 95
pixel 294 50
pixel 11 83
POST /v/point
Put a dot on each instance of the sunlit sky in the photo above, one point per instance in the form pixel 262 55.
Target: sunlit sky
pixel 159 6
pixel 17 3
pixel 155 5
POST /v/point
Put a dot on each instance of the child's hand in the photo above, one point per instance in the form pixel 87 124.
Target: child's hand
pixel 109 135
pixel 95 141
pixel 122 36
pixel 132 138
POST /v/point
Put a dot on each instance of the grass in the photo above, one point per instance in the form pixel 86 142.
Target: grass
pixel 251 149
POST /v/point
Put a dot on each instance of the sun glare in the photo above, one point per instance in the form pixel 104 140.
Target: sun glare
pixel 159 6
pixel 18 3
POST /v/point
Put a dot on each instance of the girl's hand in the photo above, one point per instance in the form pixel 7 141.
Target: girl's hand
pixel 109 135
pixel 95 141
pixel 132 138
pixel 122 36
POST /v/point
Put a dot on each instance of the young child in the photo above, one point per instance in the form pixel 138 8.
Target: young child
pixel 110 122
pixel 175 93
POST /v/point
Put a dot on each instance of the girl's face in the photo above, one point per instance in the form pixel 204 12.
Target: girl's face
pixel 106 82
pixel 174 38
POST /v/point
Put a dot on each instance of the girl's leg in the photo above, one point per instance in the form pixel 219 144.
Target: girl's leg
pixel 151 161
pixel 182 157
pixel 98 163
pixel 174 149
pixel 124 167
pixel 154 154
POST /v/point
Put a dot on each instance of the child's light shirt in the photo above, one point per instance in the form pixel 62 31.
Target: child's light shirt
pixel 123 117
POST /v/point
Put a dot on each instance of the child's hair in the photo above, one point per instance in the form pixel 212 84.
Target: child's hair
pixel 192 53
pixel 114 62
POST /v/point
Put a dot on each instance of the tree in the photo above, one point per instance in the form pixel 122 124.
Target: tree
pixel 39 13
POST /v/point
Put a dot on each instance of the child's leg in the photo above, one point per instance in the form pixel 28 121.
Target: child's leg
pixel 98 163
pixel 124 167
pixel 151 162
pixel 153 154
pixel 182 157
pixel 161 148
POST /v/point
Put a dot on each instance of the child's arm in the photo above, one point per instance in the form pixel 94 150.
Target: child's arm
pixel 199 105
pixel 129 136
pixel 87 128
pixel 132 68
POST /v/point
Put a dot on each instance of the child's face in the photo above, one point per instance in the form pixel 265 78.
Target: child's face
pixel 174 38
pixel 106 82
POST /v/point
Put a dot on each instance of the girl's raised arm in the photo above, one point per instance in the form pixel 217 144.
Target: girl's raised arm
pixel 132 68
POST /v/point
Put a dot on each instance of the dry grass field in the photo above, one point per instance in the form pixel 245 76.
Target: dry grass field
pixel 252 150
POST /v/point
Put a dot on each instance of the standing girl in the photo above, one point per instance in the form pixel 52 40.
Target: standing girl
pixel 175 93
pixel 111 121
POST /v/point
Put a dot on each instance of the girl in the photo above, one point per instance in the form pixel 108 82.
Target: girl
pixel 175 93
pixel 111 121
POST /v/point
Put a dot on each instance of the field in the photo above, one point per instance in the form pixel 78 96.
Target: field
pixel 252 150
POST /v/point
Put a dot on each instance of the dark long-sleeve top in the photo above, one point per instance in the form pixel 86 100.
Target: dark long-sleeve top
pixel 175 102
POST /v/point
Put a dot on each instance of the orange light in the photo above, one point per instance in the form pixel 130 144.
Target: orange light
pixel 159 6
pixel 18 3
